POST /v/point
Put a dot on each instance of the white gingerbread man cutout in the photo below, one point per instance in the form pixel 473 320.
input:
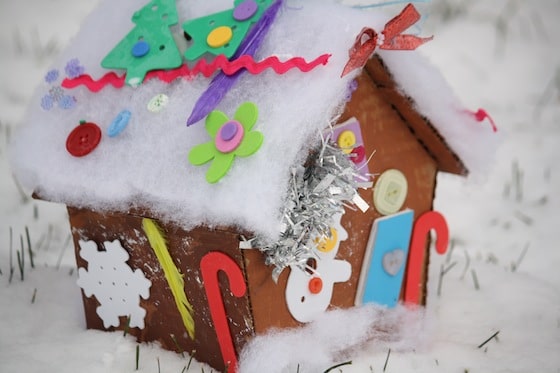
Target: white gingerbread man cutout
pixel 117 288
pixel 309 294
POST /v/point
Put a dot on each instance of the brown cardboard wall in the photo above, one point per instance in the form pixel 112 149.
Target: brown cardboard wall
pixel 163 321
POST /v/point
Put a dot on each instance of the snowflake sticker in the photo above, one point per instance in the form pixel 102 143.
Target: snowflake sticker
pixel 117 288
pixel 73 68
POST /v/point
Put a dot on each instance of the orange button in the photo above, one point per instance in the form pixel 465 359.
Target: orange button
pixel 315 285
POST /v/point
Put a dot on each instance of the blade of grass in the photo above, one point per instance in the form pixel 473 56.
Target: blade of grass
pixel 12 268
pixel 59 261
pixel 495 335
pixel 21 258
pixel 190 360
pixel 443 272
pixel 338 366
pixel 387 360
pixel 524 218
pixel 467 264
pixel 22 194
pixel 126 326
pixel 475 279
pixel 29 250
pixel 516 265
pixel 177 344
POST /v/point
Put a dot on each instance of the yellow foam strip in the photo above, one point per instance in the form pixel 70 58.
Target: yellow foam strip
pixel 172 275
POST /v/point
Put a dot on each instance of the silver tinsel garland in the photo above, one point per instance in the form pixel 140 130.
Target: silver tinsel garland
pixel 317 192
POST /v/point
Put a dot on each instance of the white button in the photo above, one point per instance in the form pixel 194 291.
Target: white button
pixel 390 192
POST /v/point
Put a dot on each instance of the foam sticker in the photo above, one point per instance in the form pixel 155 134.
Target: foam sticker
pixel 149 45
pixel 431 220
pixel 113 283
pixel 309 292
pixel 210 265
pixel 222 32
pixel 385 260
pixel 348 136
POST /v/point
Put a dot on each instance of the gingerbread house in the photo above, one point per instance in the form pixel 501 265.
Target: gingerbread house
pixel 230 167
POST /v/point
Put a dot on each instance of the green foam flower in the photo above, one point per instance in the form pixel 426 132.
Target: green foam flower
pixel 230 138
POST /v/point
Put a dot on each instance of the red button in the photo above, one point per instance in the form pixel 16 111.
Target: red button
pixel 359 153
pixel 83 139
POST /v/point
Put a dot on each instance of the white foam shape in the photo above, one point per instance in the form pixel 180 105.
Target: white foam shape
pixel 113 283
pixel 304 305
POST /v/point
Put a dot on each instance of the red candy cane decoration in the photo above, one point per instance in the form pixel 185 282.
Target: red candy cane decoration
pixel 210 265
pixel 424 224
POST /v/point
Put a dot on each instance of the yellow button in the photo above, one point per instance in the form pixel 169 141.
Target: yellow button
pixel 219 37
pixel 346 140
pixel 326 244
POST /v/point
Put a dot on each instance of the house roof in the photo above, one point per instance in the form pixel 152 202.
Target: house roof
pixel 422 128
pixel 147 166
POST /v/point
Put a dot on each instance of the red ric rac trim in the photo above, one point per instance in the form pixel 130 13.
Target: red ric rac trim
pixel 202 67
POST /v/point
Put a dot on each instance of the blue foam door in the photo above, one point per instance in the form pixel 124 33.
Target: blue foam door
pixel 385 260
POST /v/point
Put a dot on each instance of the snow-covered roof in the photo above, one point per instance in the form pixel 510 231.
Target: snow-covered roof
pixel 147 165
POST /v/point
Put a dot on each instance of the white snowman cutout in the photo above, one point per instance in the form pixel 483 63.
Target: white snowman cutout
pixel 309 292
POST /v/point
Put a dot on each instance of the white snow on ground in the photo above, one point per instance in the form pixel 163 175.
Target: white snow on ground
pixel 500 55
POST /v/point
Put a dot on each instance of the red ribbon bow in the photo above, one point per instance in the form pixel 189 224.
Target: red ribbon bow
pixel 390 38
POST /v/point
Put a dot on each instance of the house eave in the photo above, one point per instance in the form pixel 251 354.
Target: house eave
pixel 432 141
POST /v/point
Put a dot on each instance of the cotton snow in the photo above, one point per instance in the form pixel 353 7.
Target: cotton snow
pixel 334 337
pixel 146 166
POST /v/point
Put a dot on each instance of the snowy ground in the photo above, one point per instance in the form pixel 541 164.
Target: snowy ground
pixel 501 275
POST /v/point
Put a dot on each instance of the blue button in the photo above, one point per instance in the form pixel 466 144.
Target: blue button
pixel 119 123
pixel 140 49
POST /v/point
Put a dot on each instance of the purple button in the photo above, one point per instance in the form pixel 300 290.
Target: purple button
pixel 245 10
pixel 228 131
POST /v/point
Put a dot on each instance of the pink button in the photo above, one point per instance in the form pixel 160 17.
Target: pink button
pixel 245 10
pixel 229 136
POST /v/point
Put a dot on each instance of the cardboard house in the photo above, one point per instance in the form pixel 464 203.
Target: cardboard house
pixel 184 253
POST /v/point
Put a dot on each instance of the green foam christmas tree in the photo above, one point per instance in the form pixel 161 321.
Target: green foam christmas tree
pixel 149 45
